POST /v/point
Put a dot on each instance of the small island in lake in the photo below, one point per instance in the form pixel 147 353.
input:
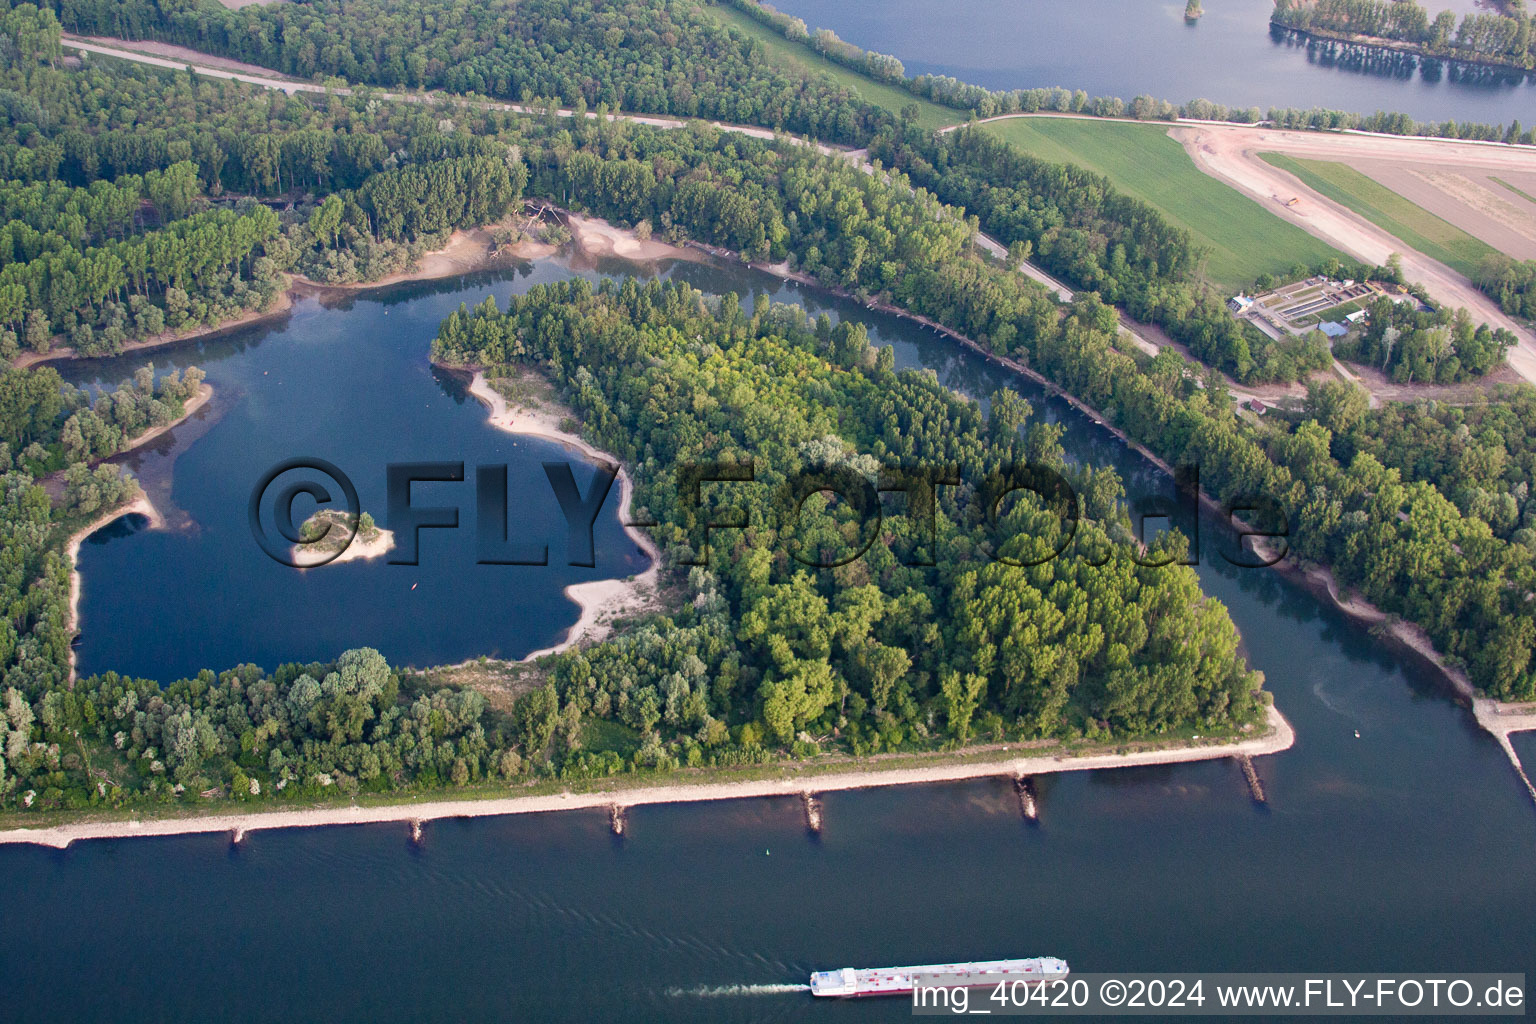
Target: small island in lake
pixel 1193 10
pixel 330 530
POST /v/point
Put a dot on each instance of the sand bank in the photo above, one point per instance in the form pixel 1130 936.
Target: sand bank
pixel 1278 737
pixel 138 506
pixel 600 601
pixel 1496 717
pixel 465 252
pixel 596 237
pixel 190 406
pixel 382 543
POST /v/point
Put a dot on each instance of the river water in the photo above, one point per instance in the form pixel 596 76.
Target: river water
pixel 1128 47
pixel 1407 848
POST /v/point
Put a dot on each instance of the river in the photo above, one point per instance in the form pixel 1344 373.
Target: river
pixel 1129 47
pixel 1405 848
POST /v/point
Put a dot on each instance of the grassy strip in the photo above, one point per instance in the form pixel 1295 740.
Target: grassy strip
pixel 930 115
pixel 1522 193
pixel 1243 239
pixel 1415 226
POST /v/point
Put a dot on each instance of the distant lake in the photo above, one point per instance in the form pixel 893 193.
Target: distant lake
pixel 1129 47
pixel 1407 847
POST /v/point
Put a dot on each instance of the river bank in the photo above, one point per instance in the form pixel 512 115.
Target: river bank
pixel 1418 50
pixel 1495 717
pixel 279 307
pixel 465 252
pixel 600 601
pixel 1280 736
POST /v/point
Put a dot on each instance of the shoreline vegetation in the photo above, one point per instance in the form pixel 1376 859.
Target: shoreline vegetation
pixel 949 768
pixel 465 252
pixel 140 505
pixel 1420 50
pixel 442 263
pixel 613 248
pixel 1499 718
pixel 369 541
pixel 599 601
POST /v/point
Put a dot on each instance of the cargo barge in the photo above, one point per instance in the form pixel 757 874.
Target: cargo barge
pixel 851 983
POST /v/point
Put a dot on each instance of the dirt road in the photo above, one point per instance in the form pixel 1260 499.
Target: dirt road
pixel 1231 155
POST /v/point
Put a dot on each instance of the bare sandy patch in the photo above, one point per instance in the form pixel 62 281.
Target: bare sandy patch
pixel 597 237
pixel 601 601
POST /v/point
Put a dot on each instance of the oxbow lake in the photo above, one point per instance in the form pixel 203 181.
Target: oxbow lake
pixel 1407 848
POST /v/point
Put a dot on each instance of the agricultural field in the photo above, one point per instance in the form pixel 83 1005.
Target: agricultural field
pixel 1243 239
pixel 1415 226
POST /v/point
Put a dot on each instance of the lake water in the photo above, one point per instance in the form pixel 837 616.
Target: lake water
pixel 1408 848
pixel 352 385
pixel 1129 47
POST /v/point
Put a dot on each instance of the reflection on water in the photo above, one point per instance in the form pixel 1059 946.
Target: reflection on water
pixel 1127 48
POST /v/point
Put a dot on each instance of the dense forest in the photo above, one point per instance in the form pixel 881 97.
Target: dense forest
pixel 1481 455
pixel 1511 282
pixel 1425 347
pixel 133 200
pixel 101 159
pixel 949 627
pixel 635 55
pixel 647 56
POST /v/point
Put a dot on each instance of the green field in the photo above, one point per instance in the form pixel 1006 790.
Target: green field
pixel 893 98
pixel 1243 238
pixel 1517 191
pixel 1414 225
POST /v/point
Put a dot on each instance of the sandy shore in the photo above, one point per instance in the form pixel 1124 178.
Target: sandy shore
pixel 138 506
pixel 1279 737
pixel 1499 719
pixel 595 237
pixel 466 251
pixel 600 601
pixel 382 544
pixel 190 406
